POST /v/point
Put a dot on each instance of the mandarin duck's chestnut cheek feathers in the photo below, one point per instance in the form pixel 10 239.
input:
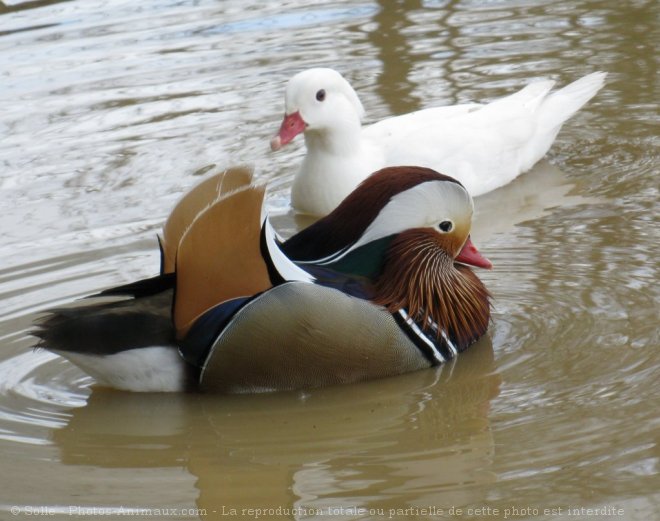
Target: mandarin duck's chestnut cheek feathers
pixel 446 299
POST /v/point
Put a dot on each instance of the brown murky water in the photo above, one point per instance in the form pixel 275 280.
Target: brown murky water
pixel 110 110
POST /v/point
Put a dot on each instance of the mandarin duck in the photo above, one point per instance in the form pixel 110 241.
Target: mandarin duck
pixel 381 286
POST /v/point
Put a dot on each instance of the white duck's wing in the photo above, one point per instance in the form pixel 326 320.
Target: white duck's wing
pixel 396 126
pixel 487 146
pixel 481 147
pixel 477 144
pixel 528 121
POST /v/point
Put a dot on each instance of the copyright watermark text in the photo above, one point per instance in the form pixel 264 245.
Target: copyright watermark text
pixel 512 512
pixel 78 510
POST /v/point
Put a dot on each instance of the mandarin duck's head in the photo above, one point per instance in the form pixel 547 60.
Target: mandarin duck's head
pixel 406 232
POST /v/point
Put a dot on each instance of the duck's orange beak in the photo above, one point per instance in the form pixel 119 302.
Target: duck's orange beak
pixel 292 125
pixel 470 255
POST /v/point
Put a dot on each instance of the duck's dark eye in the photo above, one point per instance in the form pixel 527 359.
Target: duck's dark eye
pixel 320 95
pixel 446 226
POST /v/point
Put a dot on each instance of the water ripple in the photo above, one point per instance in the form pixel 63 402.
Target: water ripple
pixel 109 113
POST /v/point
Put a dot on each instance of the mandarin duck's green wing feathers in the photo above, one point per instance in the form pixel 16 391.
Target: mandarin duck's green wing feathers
pixel 300 335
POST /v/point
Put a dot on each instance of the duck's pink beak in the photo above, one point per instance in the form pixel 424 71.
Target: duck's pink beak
pixel 292 125
pixel 471 256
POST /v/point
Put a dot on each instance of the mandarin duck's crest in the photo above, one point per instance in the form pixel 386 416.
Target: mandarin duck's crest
pixel 380 286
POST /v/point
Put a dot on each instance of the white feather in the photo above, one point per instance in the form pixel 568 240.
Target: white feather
pixel 147 369
pixel 285 267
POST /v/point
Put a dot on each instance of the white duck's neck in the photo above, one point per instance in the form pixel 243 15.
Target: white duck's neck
pixel 329 171
pixel 341 139
pixel 337 160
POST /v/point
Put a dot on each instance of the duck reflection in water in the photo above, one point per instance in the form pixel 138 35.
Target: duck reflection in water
pixel 422 436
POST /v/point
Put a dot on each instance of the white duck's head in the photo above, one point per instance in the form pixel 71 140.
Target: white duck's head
pixel 319 101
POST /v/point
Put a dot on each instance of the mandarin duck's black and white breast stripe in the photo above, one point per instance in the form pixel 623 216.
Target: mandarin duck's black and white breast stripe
pixel 381 286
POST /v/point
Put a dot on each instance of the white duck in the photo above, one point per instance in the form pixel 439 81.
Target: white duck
pixel 483 146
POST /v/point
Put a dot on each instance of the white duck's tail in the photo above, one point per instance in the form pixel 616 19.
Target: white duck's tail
pixel 556 109
pixel 561 105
